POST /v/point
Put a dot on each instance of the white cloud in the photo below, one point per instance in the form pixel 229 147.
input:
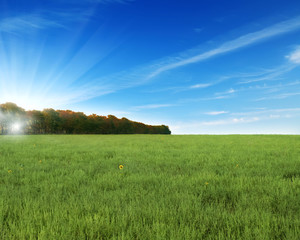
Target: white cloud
pixel 201 85
pixel 153 106
pixel 294 57
pixel 210 126
pixel 274 74
pixel 244 125
pixel 238 120
pixel 268 111
pixel 274 116
pixel 279 96
pixel 191 100
pixel 230 91
pixel 231 121
pixel 26 23
pixel 141 75
pixel 215 98
pixel 188 100
pixel 216 113
pixel 243 41
pixel 39 20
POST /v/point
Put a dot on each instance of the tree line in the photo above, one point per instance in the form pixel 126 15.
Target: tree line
pixel 14 119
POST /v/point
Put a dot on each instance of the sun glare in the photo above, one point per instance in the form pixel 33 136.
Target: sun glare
pixel 32 102
pixel 16 127
pixel 26 103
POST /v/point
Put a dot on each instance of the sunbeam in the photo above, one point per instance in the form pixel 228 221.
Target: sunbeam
pixel 34 76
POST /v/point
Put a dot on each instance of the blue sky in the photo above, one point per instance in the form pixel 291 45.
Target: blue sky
pixel 200 67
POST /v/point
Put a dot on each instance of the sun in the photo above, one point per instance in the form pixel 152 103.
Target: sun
pixel 16 127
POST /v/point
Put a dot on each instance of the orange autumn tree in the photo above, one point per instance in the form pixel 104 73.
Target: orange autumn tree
pixel 50 121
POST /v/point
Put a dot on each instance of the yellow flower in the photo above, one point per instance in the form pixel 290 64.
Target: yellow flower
pixel 237 165
pixel 40 161
pixel 9 171
pixel 206 183
pixel 121 167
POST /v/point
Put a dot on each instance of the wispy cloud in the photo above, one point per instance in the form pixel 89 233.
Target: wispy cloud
pixel 267 111
pixel 243 41
pixel 143 74
pixel 294 57
pixel 197 99
pixel 216 113
pixel 230 91
pixel 200 85
pixel 71 15
pixel 274 74
pixel 186 88
pixel 41 19
pixel 269 114
pixel 266 86
pixel 267 90
pixel 152 106
pixel 177 89
pixel 219 95
pixel 279 96
pixel 230 121
pixel 245 118
pixel 196 125
pixel 25 23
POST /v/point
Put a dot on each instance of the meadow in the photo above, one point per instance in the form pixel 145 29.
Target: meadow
pixel 171 187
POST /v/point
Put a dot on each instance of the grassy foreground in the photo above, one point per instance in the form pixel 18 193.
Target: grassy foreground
pixel 171 187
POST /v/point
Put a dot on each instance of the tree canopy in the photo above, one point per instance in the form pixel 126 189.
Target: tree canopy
pixel 14 119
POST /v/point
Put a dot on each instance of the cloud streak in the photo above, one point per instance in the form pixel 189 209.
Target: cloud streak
pixel 190 100
pixel 269 75
pixel 279 96
pixel 143 74
pixel 216 113
pixel 268 111
pixel 152 106
pixel 230 121
pixel 25 23
pixel 40 20
pixel 228 92
pixel 200 85
pixel 243 41
pixel 238 119
pixel 294 57
pixel 247 118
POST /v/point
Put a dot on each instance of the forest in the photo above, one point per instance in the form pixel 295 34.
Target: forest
pixel 15 120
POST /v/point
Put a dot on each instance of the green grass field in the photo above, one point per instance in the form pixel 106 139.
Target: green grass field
pixel 171 187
